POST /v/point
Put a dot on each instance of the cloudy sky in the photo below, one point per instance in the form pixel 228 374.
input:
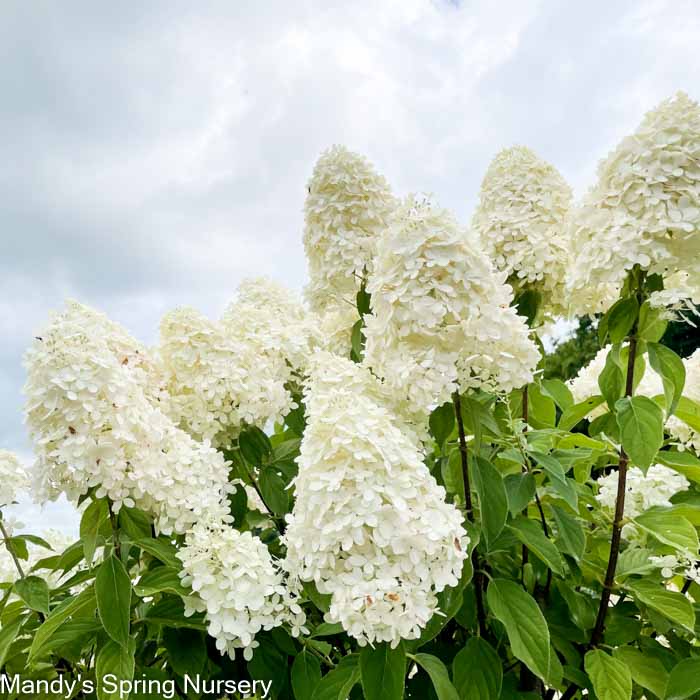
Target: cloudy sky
pixel 156 153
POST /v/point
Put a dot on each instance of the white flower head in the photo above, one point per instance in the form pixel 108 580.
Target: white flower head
pixel 441 316
pixel 13 477
pixel 522 222
pixel 346 209
pixel 238 586
pixel 645 208
pixel 370 525
pixel 95 423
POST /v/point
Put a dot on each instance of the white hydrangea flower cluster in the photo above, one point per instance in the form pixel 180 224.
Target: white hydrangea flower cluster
pixel 645 208
pixel 441 316
pixel 521 219
pixel 218 381
pixel 273 319
pixel 94 424
pixel 347 208
pixel 238 586
pixel 672 565
pixel 13 477
pixel 642 491
pixel 688 438
pixel 370 525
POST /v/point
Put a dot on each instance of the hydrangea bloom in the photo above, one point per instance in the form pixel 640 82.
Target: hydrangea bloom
pixel 655 488
pixel 688 437
pixel 13 477
pixel 237 585
pixel 521 219
pixel 441 317
pixel 93 422
pixel 346 209
pixel 370 525
pixel 645 208
pixel 671 565
pixel 218 381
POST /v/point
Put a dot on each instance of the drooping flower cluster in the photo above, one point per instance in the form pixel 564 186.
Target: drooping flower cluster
pixel 238 586
pixel 522 222
pixel 643 491
pixel 370 525
pixel 645 208
pixel 347 208
pixel 13 477
pixel 95 423
pixel 441 317
pixel 218 381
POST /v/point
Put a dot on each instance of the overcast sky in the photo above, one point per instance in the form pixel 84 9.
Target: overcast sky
pixel 155 153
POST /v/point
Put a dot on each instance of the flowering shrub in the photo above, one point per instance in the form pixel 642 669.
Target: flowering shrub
pixel 379 495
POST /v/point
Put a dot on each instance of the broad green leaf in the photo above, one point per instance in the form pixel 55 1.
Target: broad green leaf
pixel 570 535
pixel 670 528
pixel 493 502
pixel 169 611
pixel 527 304
pixel 326 629
pixel 161 549
pixel 671 369
pixel 93 523
pixel 337 684
pixel 477 671
pixel 611 380
pixel 652 324
pixel 673 605
pixel 530 533
pixel 383 671
pixel 135 523
pixel 306 675
pixel 634 560
pixel 689 412
pixel 187 650
pixel 573 415
pixel 646 670
pixel 684 680
pixel 8 633
pixel 113 592
pixel 620 319
pixel 641 429
pixel 113 660
pixel 558 392
pixel 70 631
pixel 159 580
pixel 442 422
pixel 452 475
pixel 274 491
pixel 34 591
pixel 526 627
pixel 557 478
pixel 437 671
pixel 542 412
pixel 520 490
pixel 611 679
pixel 254 445
pixel 69 607
pixel 685 463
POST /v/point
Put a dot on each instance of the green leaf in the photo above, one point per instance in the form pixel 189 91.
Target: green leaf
pixel 437 671
pixel 646 670
pixel 8 633
pixel 337 684
pixel 93 523
pixel 542 412
pixel 684 463
pixel 671 369
pixel 673 605
pixel 573 415
pixel 621 318
pixel 641 429
pixel 452 475
pixel 477 671
pixel 610 677
pixel 68 608
pixel 187 650
pixel 254 445
pixel 69 632
pixel 527 304
pixel 274 491
pixel 169 611
pixel 442 422
pixel 326 629
pixel 113 660
pixel 113 591
pixel 383 672
pixel 611 380
pixel 570 535
pixel 557 390
pixel 357 341
pixel 161 549
pixel 530 533
pixel 135 523
pixel 306 675
pixel 557 478
pixel 520 490
pixel 493 502
pixel 34 591
pixel 159 580
pixel 634 560
pixel 526 627
pixel 652 324
pixel 684 680
pixel 670 528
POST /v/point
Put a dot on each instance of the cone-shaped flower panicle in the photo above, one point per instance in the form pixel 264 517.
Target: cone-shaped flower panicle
pixel 238 586
pixel 521 219
pixel 644 209
pixel 441 316
pixel 370 525
pixel 13 477
pixel 217 380
pixel 94 423
pixel 346 209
